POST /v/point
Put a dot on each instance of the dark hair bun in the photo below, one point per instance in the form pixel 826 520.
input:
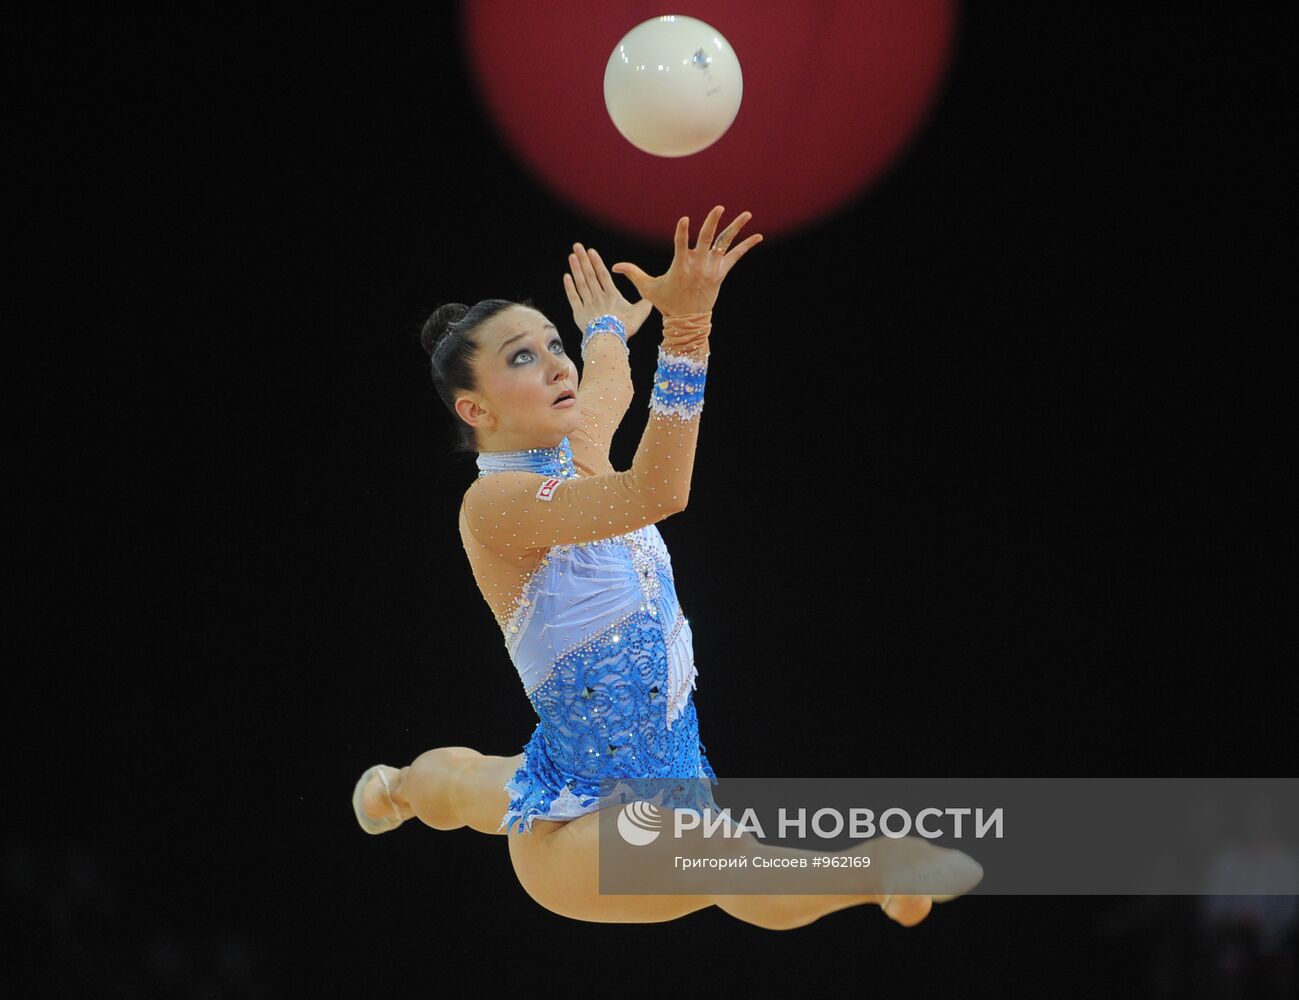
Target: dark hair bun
pixel 436 326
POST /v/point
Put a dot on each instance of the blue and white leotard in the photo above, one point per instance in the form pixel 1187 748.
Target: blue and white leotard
pixel 605 655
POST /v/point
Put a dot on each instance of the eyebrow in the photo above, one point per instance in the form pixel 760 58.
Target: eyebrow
pixel 511 340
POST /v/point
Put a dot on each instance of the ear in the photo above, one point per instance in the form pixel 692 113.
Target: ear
pixel 471 413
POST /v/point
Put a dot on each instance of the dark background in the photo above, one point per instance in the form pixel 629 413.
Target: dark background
pixel 991 482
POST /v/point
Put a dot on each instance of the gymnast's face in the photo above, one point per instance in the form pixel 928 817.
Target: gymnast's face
pixel 522 373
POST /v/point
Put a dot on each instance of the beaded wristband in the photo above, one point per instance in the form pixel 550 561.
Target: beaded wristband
pixel 678 386
pixel 605 324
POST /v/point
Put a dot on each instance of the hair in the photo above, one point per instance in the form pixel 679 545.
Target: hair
pixel 449 337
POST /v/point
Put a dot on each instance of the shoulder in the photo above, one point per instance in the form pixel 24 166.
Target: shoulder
pixel 497 510
pixel 490 497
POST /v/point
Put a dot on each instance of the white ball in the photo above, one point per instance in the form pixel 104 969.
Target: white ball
pixel 673 86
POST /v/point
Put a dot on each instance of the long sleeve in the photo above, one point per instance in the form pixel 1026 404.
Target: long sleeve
pixel 515 512
pixel 603 396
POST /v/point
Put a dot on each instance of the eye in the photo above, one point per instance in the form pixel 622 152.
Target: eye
pixel 527 353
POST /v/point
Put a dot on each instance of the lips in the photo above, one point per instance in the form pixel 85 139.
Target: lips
pixel 565 399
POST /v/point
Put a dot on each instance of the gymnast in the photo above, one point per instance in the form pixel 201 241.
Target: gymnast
pixel 565 552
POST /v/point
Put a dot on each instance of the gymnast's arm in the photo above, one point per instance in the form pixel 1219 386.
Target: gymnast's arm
pixel 607 321
pixel 513 513
pixel 603 396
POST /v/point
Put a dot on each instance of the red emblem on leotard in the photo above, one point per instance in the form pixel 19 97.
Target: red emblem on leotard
pixel 547 490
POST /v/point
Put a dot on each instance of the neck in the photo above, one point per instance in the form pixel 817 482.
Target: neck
pixel 512 440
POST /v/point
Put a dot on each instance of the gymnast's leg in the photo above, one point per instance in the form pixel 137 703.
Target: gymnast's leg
pixel 558 865
pixel 447 788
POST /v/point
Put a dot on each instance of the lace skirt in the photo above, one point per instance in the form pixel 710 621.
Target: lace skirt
pixel 557 786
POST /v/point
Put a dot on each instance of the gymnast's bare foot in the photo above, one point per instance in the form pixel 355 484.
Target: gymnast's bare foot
pixel 921 874
pixel 375 801
pixel 907 910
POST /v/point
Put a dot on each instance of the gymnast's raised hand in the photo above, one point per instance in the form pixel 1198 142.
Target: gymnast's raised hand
pixel 591 292
pixel 691 282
